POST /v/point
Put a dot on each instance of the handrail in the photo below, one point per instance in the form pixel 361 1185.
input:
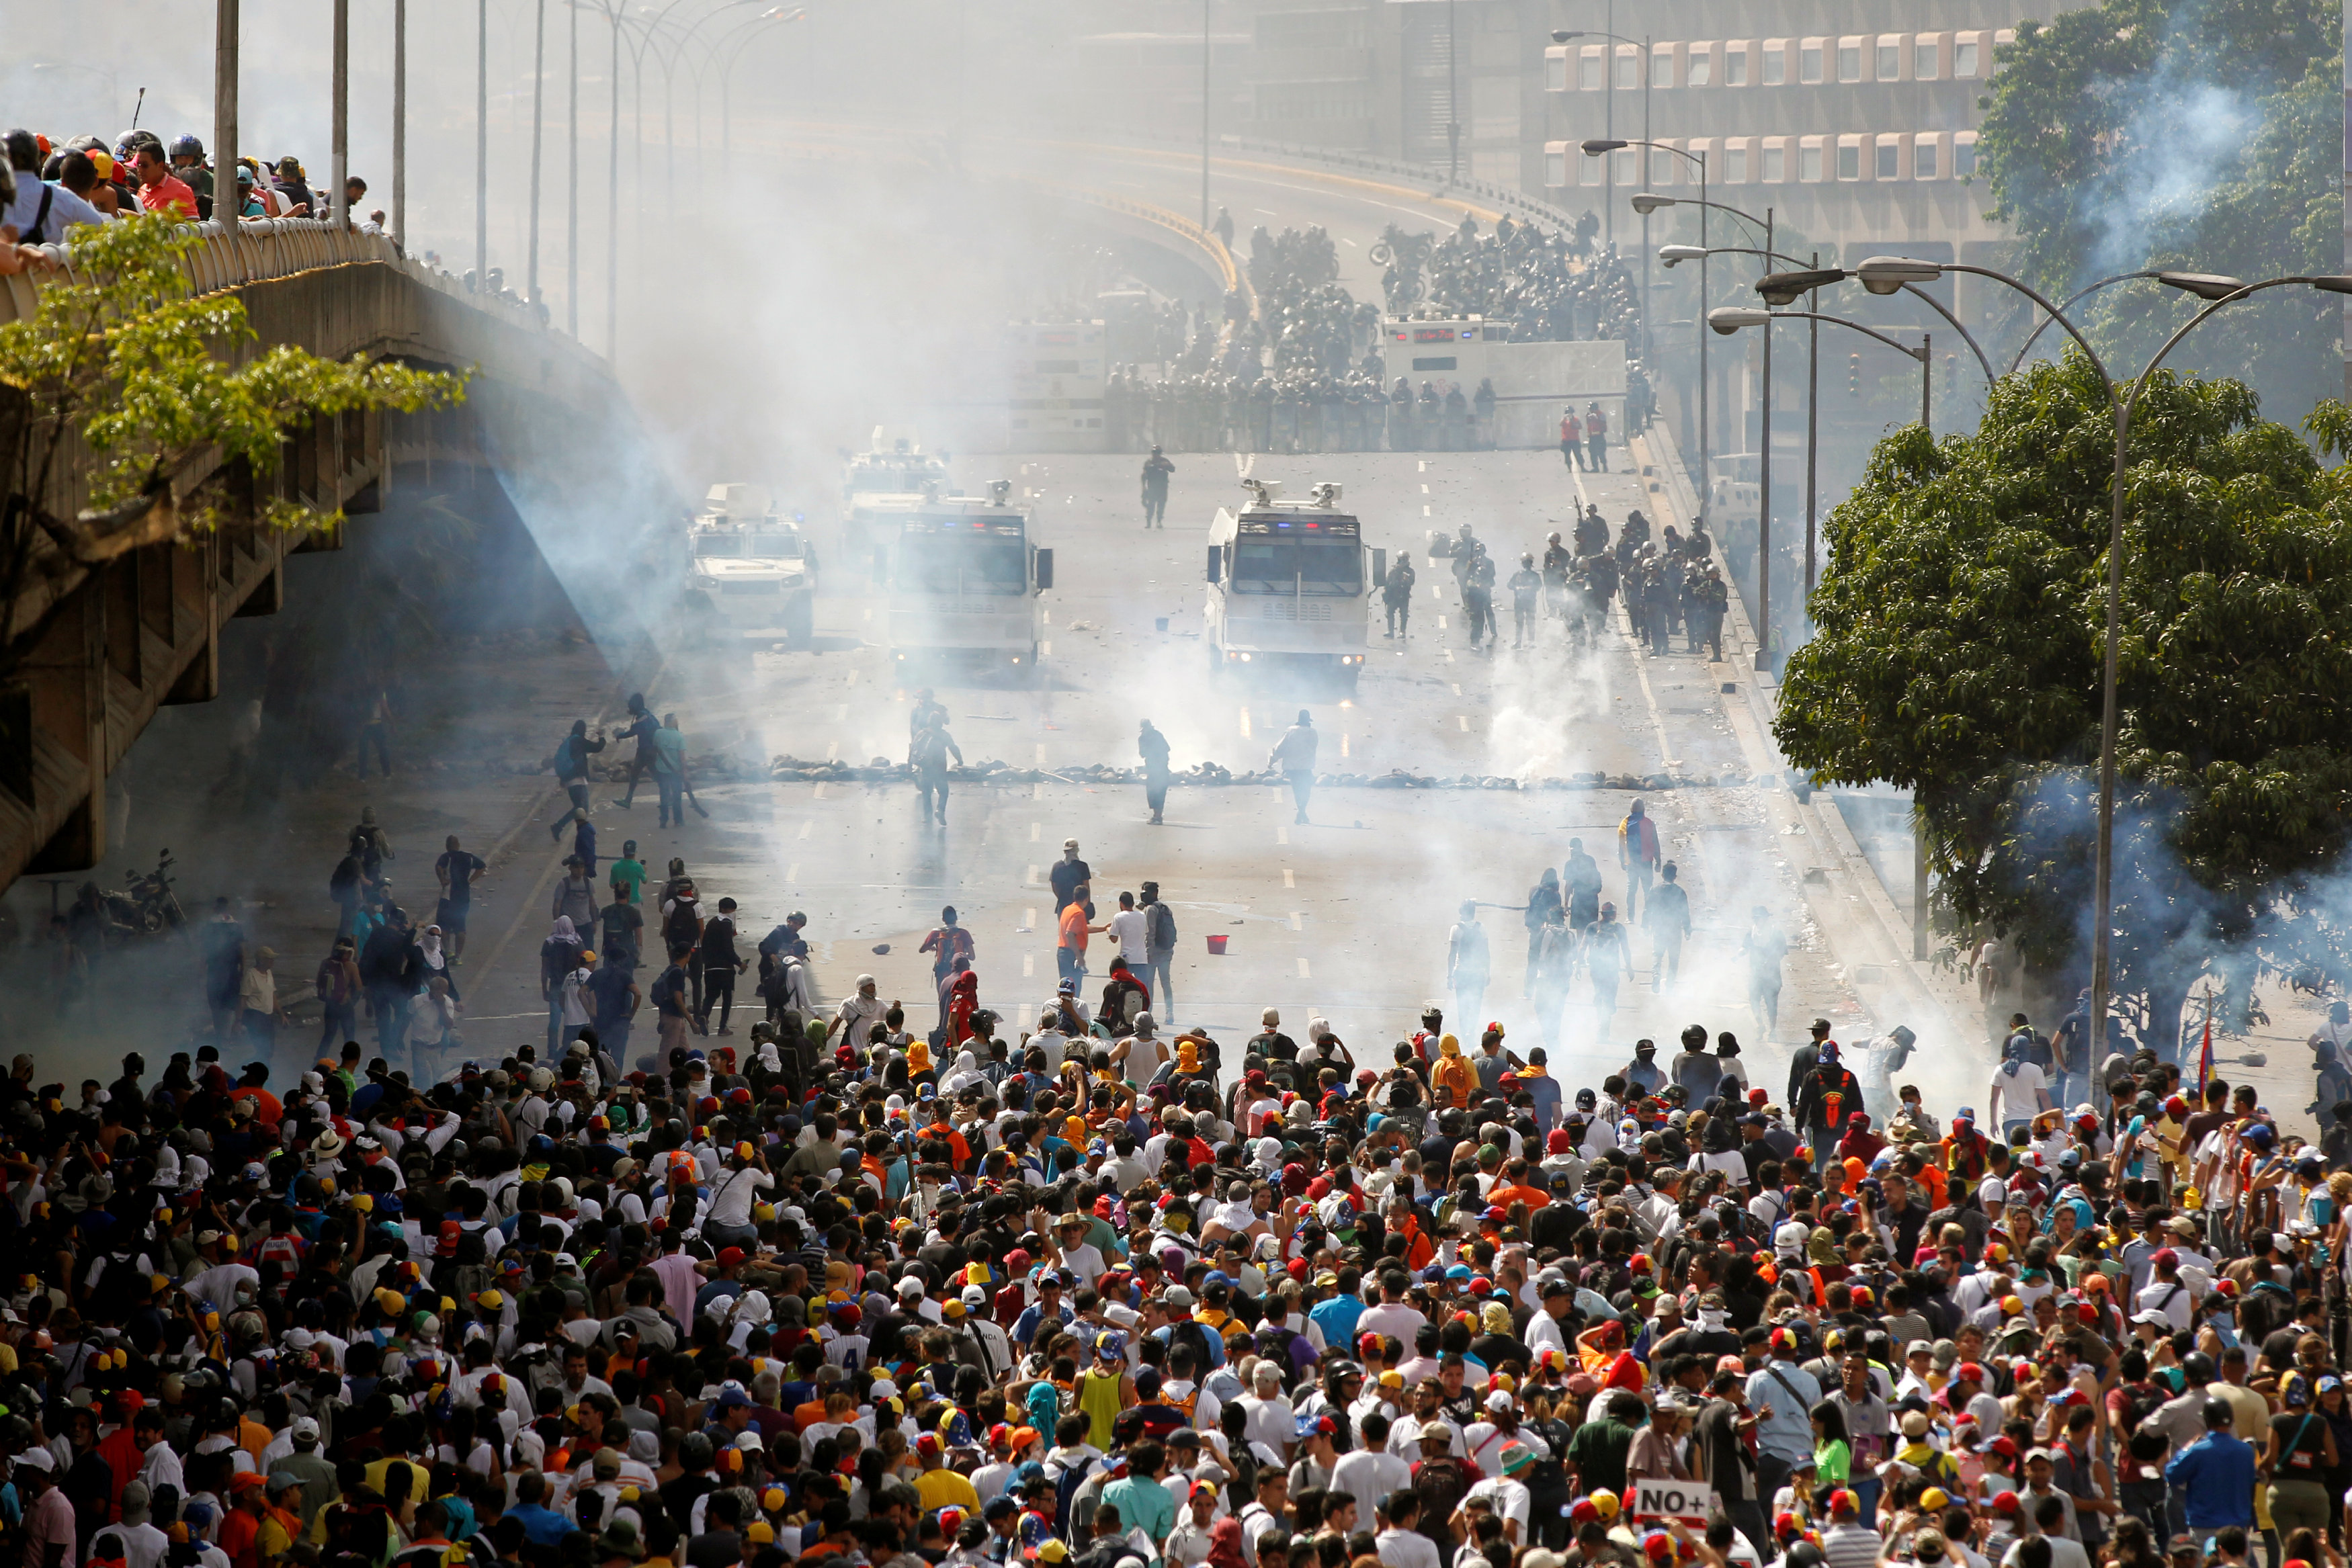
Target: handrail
pixel 266 249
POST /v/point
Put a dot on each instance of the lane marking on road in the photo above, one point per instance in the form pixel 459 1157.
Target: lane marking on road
pixel 1441 623
pixel 1649 698
pixel 1448 652
pixel 1028 965
pixel 1036 831
pixel 833 748
pixel 1464 720
pixel 793 872
pixel 868 616
pixel 1269 212
pixel 1045 617
pixel 1425 489
pixel 1281 835
pixel 1424 512
pixel 1343 743
pixel 1289 877
pixel 1421 465
pixel 1045 650
pixel 1037 790
pixel 1304 973
pixel 853 677
pixel 1029 920
pixel 1041 762
pixel 1434 594
pixel 1298 921
pixel 817 793
pixel 1033 876
pixel 808 827
pixel 841 712
pixel 1245 724
pixel 1457 688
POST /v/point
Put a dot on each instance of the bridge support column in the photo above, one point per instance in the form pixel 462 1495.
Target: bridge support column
pixel 68 704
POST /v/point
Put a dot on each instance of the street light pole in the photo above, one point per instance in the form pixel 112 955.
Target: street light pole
pixel 537 123
pixel 399 124
pixel 481 145
pixel 1453 102
pixel 1764 500
pixel 225 65
pixel 338 204
pixel 1204 114
pixel 1813 433
pixel 571 182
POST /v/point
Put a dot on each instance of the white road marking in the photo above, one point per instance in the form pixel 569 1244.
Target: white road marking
pixel 868 616
pixel 1028 965
pixel 1343 743
pixel 817 793
pixel 1289 877
pixel 1464 720
pixel 1420 466
pixel 808 827
pixel 1041 762
pixel 1434 594
pixel 1028 920
pixel 1045 649
pixel 833 748
pixel 1298 921
pixel 1449 654
pixel 1045 617
pixel 1282 835
pixel 839 713
pixel 1424 512
pixel 1033 876
pixel 1245 724
pixel 1037 790
pixel 1304 973
pixel 1037 829
pixel 1441 623
pixel 1457 688
pixel 793 872
pixel 1425 489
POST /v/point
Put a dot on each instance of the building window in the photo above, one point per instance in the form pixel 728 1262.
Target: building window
pixel 1923 159
pixel 1809 163
pixel 1964 156
pixel 1889 162
pixel 1927 60
pixel 1629 71
pixel 1776 165
pixel 1700 72
pixel 1809 69
pixel 1555 70
pixel 1776 61
pixel 1735 165
pixel 1588 72
pixel 1964 60
pixel 1555 164
pixel 1661 166
pixel 1628 170
pixel 1662 69
pixel 1849 157
pixel 1735 65
pixel 1890 62
pixel 1849 62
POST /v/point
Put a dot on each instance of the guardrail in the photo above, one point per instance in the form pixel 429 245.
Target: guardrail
pixel 263 249
pixel 1420 173
pixel 1185 229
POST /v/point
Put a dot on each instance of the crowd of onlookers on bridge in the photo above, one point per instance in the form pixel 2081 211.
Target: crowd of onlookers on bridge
pixel 51 184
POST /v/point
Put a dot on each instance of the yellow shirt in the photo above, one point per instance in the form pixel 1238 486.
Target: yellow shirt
pixel 943 1487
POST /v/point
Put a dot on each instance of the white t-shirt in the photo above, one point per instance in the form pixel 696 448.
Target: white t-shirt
pixel 1406 1549
pixel 1128 929
pixel 1369 1476
pixel 2020 1094
pixel 1508 1498
pixel 733 1193
pixel 1271 1421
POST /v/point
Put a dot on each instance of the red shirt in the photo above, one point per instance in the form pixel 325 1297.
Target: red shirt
pixel 169 195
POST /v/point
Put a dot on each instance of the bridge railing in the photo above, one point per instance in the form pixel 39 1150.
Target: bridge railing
pixel 263 249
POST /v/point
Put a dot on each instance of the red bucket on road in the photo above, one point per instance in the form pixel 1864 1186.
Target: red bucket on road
pixel 1217 947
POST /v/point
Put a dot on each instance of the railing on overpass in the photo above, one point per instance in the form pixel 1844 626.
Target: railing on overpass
pixel 1184 228
pixel 266 249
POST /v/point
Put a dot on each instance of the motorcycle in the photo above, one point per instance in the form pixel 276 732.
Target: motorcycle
pixel 148 907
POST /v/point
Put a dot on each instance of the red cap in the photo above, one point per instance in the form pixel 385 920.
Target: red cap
pixel 730 1256
pixel 927 1443
pixel 2004 1503
pixel 2005 1446
pixel 1784 1524
pixel 1657 1546
pixel 1558 1141
pixel 1968 1371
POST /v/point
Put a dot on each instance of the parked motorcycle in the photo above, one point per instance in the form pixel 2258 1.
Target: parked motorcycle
pixel 148 907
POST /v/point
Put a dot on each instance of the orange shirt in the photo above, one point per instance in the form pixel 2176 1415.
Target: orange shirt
pixel 807 1416
pixel 1073 933
pixel 1503 1197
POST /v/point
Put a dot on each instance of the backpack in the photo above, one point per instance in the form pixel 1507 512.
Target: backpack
pixel 1160 930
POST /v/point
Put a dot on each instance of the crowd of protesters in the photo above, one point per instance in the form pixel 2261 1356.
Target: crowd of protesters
pixel 52 185
pixel 1095 1294
pixel 1307 372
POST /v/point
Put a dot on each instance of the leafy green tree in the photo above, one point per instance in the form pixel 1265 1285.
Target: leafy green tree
pixel 1960 627
pixel 128 373
pixel 2204 138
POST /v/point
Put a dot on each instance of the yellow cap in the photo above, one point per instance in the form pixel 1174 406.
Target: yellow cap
pixel 489 1300
pixel 364 1203
pixel 392 1302
pixel 760 1534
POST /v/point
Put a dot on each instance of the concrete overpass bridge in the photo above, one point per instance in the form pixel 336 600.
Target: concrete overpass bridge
pixel 123 629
